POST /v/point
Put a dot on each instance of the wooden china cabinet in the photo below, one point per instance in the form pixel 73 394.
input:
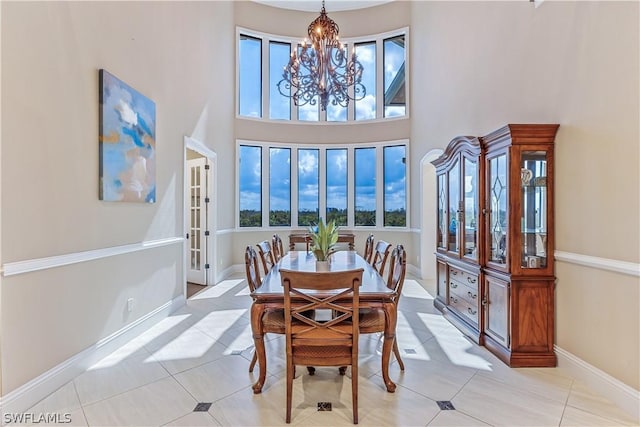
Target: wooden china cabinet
pixel 458 234
pixel 495 244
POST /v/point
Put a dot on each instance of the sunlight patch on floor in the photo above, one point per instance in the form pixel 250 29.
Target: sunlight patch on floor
pixel 453 343
pixel 191 344
pixel 217 290
pixel 243 341
pixel 413 289
pixel 135 345
pixel 216 323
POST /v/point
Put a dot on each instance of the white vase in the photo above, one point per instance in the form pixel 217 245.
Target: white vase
pixel 322 265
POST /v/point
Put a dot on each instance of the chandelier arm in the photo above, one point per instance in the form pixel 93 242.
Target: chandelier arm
pixel 321 71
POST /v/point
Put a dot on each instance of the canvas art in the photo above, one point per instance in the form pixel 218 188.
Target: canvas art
pixel 127 143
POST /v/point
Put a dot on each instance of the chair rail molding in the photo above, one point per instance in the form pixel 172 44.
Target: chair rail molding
pixel 27 266
pixel 624 267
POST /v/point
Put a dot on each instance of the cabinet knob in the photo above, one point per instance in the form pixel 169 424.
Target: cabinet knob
pixel 453 285
pixel 472 295
pixel 471 311
pixel 485 302
pixel 470 280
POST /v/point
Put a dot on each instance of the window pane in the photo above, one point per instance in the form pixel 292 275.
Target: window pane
pixel 250 179
pixel 395 186
pixel 337 186
pixel 338 113
pixel 279 105
pixel 308 112
pixel 308 186
pixel 250 76
pixel 366 107
pixel 394 81
pixel 280 186
pixel 365 191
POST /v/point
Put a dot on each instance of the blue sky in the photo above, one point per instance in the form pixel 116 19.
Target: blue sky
pixel 308 171
pixel 277 160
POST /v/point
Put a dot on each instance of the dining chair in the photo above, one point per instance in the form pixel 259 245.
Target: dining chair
pixel 333 342
pixel 272 319
pixel 278 247
pixel 266 255
pixel 372 320
pixel 380 255
pixel 368 249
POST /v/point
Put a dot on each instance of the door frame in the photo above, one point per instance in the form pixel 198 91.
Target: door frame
pixel 197 146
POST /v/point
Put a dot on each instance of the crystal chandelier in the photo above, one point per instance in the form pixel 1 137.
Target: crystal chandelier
pixel 322 69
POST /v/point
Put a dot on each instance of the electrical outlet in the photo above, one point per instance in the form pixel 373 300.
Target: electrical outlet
pixel 130 305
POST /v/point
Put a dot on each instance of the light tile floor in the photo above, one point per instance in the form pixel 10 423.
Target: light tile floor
pixel 201 354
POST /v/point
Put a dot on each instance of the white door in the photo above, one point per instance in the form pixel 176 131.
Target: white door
pixel 197 212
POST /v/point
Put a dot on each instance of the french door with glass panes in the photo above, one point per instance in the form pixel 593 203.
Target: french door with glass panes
pixel 197 211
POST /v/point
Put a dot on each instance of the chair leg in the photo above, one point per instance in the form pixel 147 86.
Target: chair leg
pixel 354 390
pixel 290 374
pixel 253 361
pixel 397 353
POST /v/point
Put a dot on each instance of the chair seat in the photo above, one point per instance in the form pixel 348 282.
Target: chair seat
pixel 371 320
pixel 273 321
pixel 322 356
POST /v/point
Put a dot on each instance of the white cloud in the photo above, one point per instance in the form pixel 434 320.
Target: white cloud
pixel 307 163
pixel 366 108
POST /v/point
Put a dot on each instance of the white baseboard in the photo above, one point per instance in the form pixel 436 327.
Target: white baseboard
pixel 414 271
pixel 229 271
pixel 27 395
pixel 624 396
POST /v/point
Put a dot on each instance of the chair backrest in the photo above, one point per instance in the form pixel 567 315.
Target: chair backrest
pixel 380 255
pixel 266 255
pixel 397 270
pixel 305 292
pixel 252 269
pixel 278 247
pixel 312 342
pixel 368 249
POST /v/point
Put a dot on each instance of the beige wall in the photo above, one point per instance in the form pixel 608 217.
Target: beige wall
pixel 51 53
pixel 475 66
pixel 485 64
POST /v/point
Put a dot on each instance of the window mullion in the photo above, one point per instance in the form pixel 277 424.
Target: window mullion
pixel 264 164
pixel 294 185
pixel 351 187
pixel 379 187
pixel 322 184
pixel 264 66
pixel 379 78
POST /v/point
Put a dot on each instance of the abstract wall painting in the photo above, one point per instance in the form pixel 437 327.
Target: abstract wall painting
pixel 127 143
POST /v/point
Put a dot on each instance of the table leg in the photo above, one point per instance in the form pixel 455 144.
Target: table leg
pixel 387 346
pixel 257 310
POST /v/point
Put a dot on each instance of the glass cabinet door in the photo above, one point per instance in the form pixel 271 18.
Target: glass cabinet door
pixel 533 217
pixel 470 203
pixel 442 211
pixel 454 203
pixel 497 212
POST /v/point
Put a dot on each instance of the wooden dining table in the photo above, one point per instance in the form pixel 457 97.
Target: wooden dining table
pixel 373 294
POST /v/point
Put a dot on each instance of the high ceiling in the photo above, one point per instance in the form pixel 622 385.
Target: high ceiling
pixel 316 5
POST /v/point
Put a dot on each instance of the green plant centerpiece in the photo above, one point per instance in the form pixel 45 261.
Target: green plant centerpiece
pixel 323 239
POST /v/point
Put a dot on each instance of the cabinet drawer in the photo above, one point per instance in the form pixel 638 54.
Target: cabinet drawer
pixel 467 309
pixel 463 278
pixel 465 292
